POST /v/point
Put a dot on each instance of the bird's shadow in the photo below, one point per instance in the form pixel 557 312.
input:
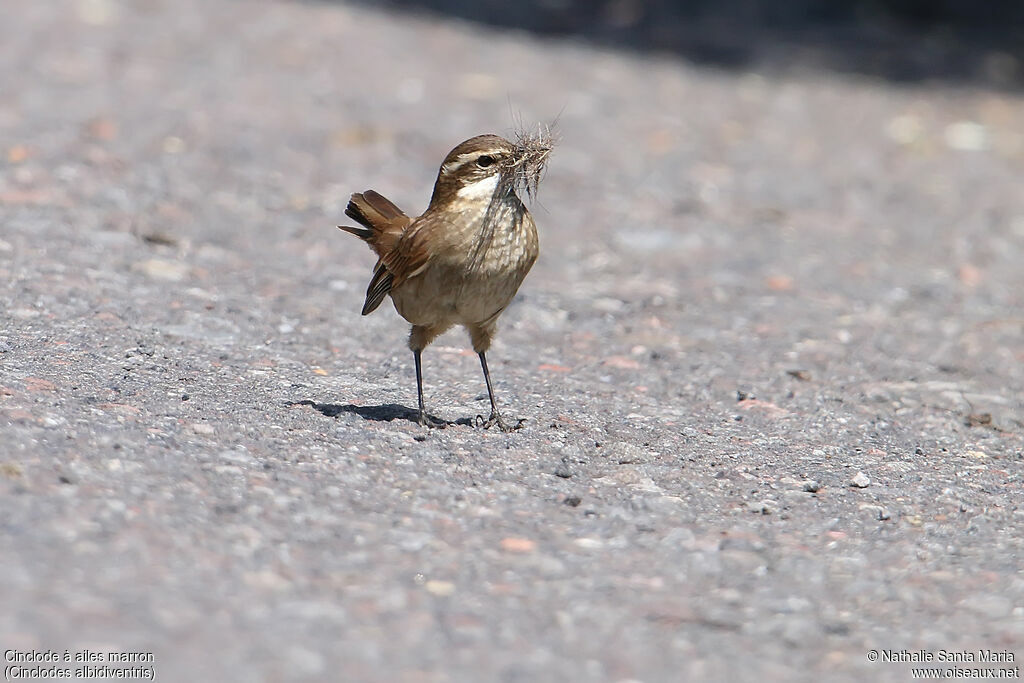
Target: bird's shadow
pixel 386 412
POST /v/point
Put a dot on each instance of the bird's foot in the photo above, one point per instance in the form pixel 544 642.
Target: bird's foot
pixel 497 419
pixel 431 422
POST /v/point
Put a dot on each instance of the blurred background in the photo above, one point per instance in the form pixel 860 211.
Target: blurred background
pixel 902 40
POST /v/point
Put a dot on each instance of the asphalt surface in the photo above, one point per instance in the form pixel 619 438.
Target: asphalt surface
pixel 770 360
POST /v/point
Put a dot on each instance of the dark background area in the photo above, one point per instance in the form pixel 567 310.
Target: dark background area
pixel 898 40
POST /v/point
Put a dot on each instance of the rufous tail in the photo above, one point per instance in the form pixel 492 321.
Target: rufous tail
pixel 382 225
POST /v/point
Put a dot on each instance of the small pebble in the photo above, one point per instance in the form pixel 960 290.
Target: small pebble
pixel 440 588
pixel 966 136
pixel 905 129
pixel 860 481
pixel 517 545
pixel 763 507
pixel 158 269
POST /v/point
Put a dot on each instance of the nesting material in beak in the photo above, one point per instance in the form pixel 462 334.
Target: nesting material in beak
pixel 530 158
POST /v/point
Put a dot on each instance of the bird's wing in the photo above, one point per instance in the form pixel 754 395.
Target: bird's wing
pixel 409 256
pixel 413 251
pixel 380 285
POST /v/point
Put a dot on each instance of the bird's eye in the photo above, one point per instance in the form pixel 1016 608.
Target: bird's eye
pixel 484 161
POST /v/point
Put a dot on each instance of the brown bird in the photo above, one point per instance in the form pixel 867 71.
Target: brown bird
pixel 463 260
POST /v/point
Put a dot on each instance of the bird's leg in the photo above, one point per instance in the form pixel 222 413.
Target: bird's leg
pixel 424 419
pixel 495 418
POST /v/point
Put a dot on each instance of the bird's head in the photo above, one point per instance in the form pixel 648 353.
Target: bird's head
pixel 489 166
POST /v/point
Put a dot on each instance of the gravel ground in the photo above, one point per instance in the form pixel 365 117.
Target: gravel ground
pixel 770 360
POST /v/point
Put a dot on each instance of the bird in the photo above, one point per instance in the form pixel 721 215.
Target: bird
pixel 462 261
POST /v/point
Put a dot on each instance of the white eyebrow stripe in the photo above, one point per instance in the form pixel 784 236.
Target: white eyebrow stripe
pixel 459 161
pixel 466 157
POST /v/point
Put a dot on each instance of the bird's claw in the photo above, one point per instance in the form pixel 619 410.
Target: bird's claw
pixel 497 419
pixel 431 422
